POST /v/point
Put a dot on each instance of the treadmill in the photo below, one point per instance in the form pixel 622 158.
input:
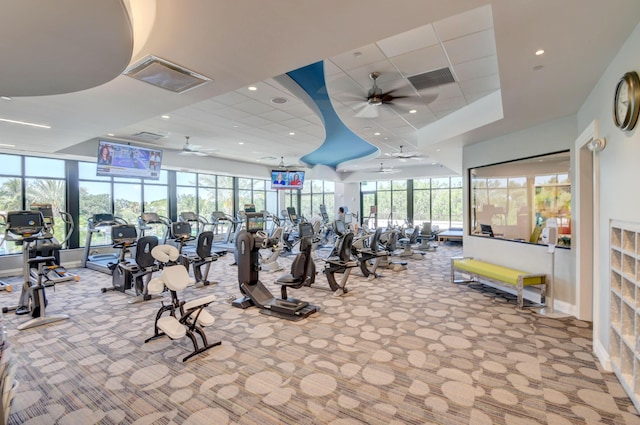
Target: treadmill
pixel 96 225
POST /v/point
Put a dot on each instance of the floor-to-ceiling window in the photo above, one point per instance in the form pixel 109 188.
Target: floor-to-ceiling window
pixel 314 194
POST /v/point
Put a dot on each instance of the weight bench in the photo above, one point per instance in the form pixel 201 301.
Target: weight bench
pixel 502 276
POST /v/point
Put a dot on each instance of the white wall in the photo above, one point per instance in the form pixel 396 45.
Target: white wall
pixel 619 172
pixel 553 136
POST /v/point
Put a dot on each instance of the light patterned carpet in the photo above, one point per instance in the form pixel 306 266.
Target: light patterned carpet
pixel 407 348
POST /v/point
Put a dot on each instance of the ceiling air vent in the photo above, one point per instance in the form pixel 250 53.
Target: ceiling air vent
pixel 148 136
pixel 432 79
pixel 164 74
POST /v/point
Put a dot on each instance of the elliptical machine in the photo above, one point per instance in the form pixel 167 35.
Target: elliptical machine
pixel 24 228
pixel 249 243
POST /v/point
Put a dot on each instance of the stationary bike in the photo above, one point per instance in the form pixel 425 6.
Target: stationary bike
pixel 125 274
pixel 24 228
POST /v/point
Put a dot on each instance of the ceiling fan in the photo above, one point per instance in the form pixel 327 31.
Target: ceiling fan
pixel 383 170
pixel 196 150
pixel 376 97
pixel 403 156
pixel 284 166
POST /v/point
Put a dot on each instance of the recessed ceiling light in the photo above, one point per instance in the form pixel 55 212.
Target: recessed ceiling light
pixel 235 126
pixel 376 133
pixel 252 88
pixel 241 143
pixel 539 52
pixel 437 150
pixel 110 134
pixel 6 98
pixel 25 123
pixel 6 145
pixel 292 133
pixel 165 117
pixel 413 111
pixel 433 163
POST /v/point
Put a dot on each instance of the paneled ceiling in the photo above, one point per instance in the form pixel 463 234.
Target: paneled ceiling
pixel 487 48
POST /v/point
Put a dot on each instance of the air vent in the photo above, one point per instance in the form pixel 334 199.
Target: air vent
pixel 432 79
pixel 147 135
pixel 164 74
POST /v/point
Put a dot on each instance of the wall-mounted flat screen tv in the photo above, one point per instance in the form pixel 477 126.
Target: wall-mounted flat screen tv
pixel 284 179
pixel 120 160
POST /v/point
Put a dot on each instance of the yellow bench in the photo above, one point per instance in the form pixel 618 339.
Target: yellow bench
pixel 500 275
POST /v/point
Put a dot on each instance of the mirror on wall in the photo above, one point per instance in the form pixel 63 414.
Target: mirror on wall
pixel 517 200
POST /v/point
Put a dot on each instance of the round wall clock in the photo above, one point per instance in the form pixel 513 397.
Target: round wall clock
pixel 626 101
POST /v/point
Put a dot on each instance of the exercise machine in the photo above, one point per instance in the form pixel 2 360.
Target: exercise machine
pixel 127 275
pixel 185 318
pixel 150 221
pixel 24 228
pixel 340 262
pixel 48 246
pixel 370 258
pixel 201 258
pixel 249 243
pixel 100 224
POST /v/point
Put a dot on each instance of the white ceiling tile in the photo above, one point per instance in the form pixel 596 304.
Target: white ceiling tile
pixel 422 60
pixel 255 121
pixel 253 107
pixel 415 39
pixel 231 98
pixel 350 60
pixel 447 104
pixel 275 115
pixel 470 47
pixel 232 114
pixel 444 91
pixel 277 129
pixel 474 20
pixel 479 85
pixel 476 68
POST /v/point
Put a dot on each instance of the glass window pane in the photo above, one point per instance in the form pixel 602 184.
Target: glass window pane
pixel 456 207
pixel 225 200
pixel 441 182
pixel 421 206
pixel 316 201
pixel 127 201
pixel 185 179
pixel 316 186
pixel 258 184
pixel 244 197
pixel 10 194
pixel 88 170
pixel 368 186
pixel 11 165
pixel 206 200
pixel 163 178
pixel 422 184
pixel 399 199
pixel 45 167
pixel 186 199
pixel 272 202
pixel 244 183
pixel 225 182
pixel 258 200
pixel 384 208
pixel 207 180
pixel 456 181
pixel 95 198
pixel 440 207
pixel 305 206
pixel 384 185
pixel 52 192
pixel 156 199
pixel 399 184
pixel 329 187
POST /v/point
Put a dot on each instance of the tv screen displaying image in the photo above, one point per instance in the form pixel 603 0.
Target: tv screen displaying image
pixel 120 160
pixel 281 179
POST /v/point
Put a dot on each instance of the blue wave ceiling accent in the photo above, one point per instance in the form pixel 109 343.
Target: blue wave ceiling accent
pixel 340 144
